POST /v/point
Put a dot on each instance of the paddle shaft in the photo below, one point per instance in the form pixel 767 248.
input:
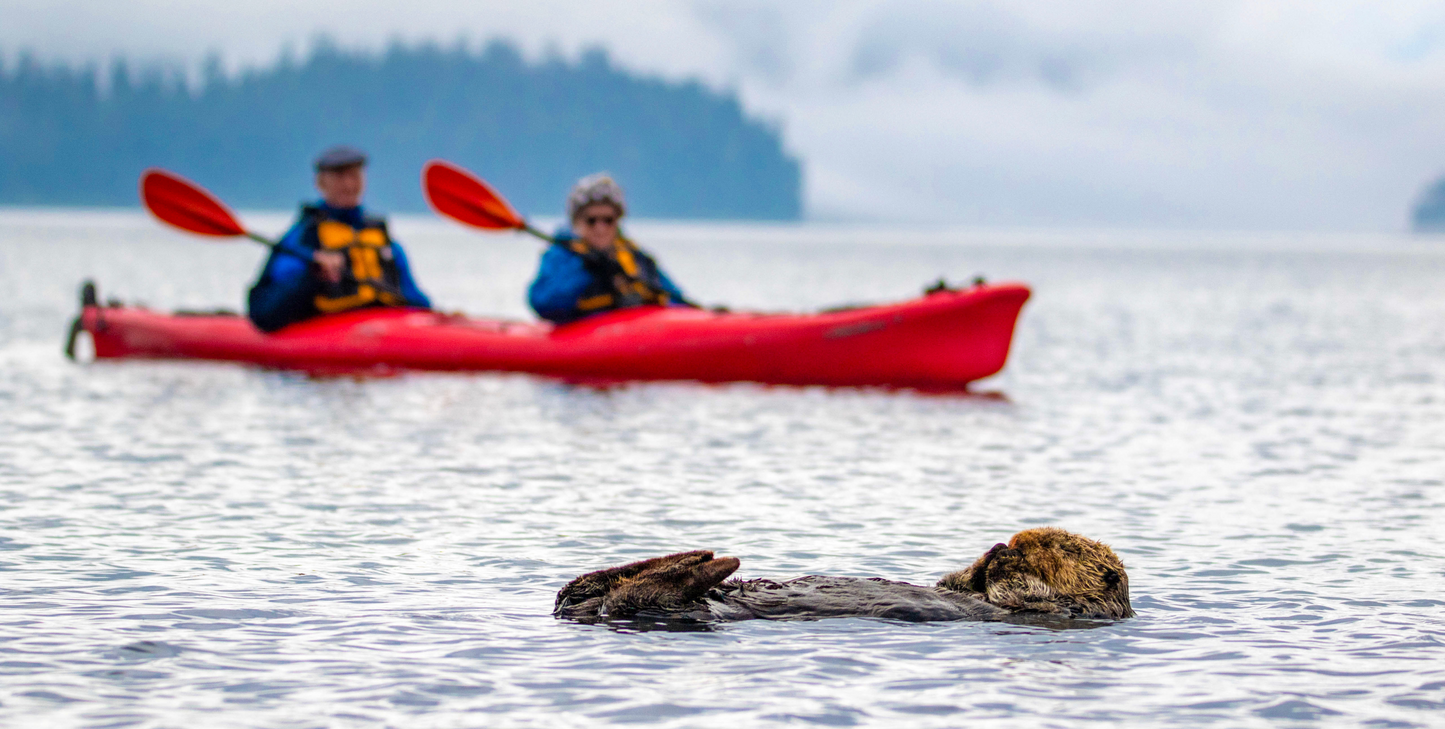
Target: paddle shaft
pixel 527 228
pixel 263 240
pixel 276 247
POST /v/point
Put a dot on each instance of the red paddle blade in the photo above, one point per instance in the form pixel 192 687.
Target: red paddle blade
pixel 184 204
pixel 462 196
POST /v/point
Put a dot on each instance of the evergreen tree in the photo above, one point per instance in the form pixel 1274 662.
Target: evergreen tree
pixel 680 149
pixel 1429 214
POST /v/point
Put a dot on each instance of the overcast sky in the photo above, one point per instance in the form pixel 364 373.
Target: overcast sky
pixel 1220 114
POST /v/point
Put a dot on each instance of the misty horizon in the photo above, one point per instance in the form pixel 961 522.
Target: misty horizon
pixel 1233 115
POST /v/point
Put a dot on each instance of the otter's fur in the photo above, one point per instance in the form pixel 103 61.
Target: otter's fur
pixel 1043 571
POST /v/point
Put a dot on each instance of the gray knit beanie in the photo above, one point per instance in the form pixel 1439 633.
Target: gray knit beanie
pixel 593 189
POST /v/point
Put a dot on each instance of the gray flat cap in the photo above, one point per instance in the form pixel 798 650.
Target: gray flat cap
pixel 339 157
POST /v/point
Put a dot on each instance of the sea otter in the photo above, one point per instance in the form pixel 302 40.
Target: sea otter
pixel 1045 571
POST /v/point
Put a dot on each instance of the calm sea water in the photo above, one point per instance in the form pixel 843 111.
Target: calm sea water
pixel 1255 423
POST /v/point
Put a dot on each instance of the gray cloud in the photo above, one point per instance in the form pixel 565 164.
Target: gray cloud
pixel 975 43
pixel 1212 113
pixel 758 36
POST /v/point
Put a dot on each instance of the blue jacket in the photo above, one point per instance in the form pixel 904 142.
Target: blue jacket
pixel 286 290
pixel 563 280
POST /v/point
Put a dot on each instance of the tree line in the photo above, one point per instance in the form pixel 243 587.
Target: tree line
pixel 74 136
pixel 1428 215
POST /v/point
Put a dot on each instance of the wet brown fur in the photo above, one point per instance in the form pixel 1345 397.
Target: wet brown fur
pixel 1045 570
pixel 664 584
pixel 1049 570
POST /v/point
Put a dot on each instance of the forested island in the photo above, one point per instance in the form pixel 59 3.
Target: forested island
pixel 79 136
pixel 1429 213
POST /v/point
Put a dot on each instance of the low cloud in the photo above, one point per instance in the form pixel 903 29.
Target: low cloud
pixel 1284 114
pixel 1218 114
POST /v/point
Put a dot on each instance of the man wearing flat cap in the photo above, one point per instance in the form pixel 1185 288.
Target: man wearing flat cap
pixel 336 257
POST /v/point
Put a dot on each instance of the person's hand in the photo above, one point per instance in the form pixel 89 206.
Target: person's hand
pixel 331 264
pixel 626 295
pixel 601 264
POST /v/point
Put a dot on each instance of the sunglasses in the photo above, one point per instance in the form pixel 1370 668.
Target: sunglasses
pixel 592 220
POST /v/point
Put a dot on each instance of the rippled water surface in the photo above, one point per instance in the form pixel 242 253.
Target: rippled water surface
pixel 1255 423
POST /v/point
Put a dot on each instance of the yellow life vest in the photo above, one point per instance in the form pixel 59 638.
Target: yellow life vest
pixel 640 285
pixel 372 278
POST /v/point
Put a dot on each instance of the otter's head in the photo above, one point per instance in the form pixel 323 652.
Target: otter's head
pixel 1049 570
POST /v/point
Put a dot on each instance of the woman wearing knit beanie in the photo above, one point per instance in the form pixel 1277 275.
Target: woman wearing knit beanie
pixel 594 267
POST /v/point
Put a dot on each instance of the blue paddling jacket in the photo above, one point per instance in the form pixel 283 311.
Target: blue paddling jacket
pixel 290 290
pixel 573 281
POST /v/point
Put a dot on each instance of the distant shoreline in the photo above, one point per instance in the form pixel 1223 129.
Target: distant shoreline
pixel 681 150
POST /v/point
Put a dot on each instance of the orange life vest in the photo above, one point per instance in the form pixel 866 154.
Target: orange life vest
pixel 639 283
pixel 372 278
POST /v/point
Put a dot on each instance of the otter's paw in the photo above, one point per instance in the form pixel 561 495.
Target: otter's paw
pixel 590 595
pixel 668 589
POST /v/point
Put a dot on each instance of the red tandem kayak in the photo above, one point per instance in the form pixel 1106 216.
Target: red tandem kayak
pixel 943 340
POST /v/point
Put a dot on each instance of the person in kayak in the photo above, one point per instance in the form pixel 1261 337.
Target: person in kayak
pixel 336 257
pixel 593 267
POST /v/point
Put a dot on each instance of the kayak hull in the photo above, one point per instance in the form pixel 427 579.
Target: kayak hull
pixel 941 341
